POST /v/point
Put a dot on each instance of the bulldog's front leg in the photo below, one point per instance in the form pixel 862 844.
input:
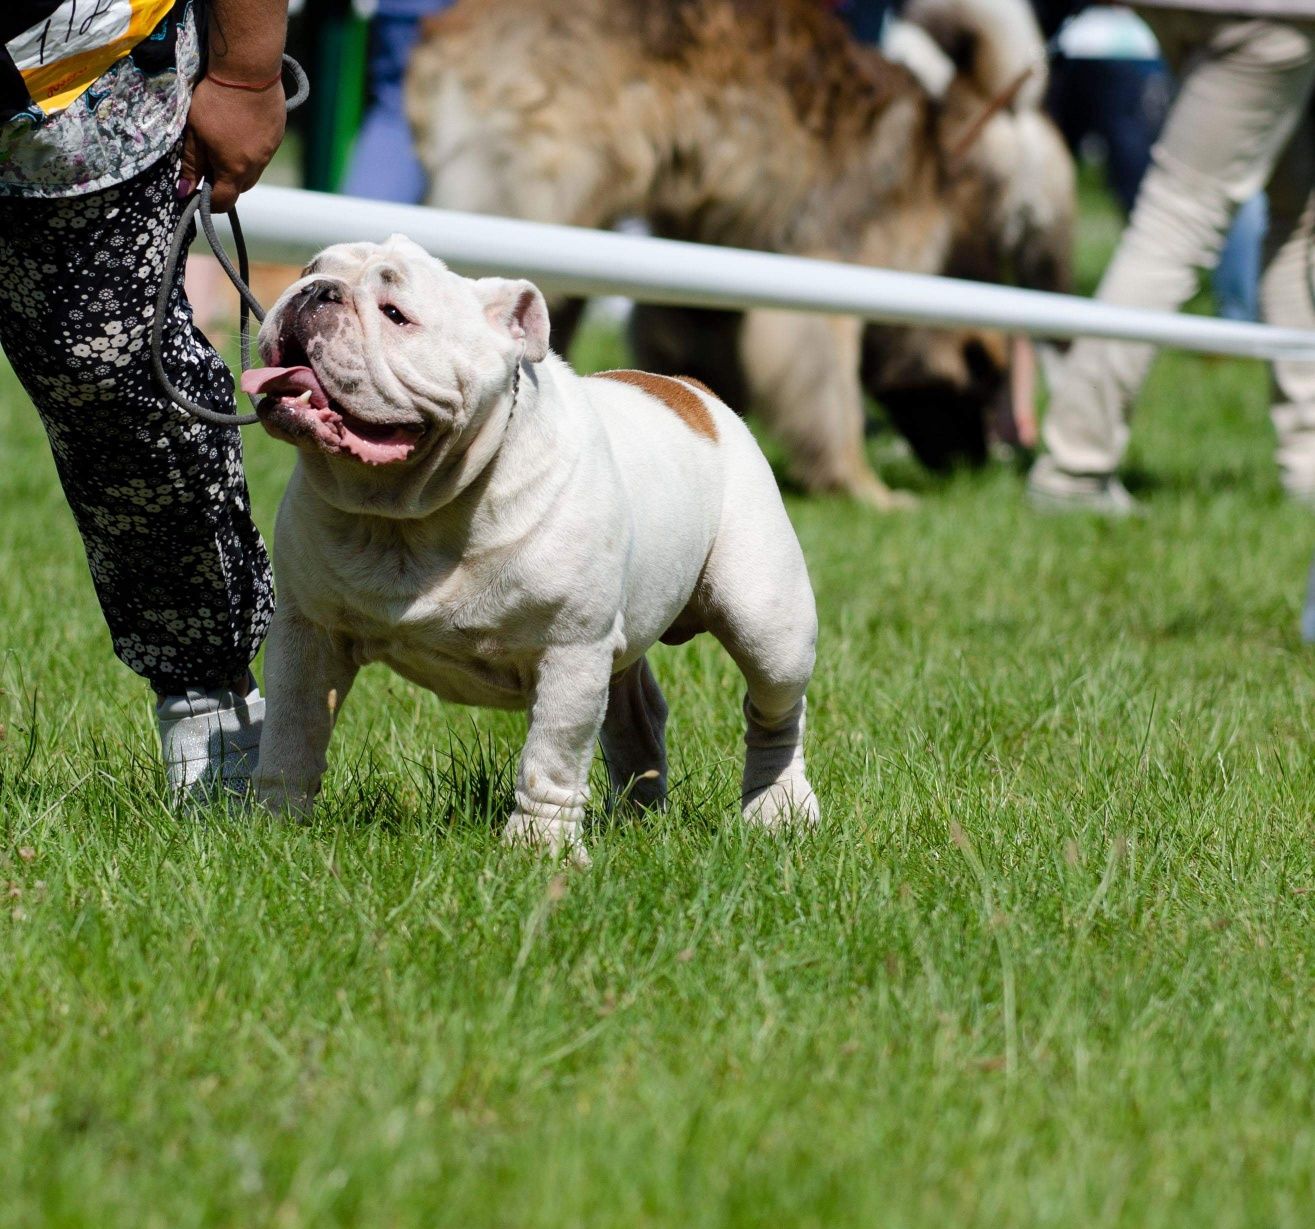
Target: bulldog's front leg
pixel 566 712
pixel 307 677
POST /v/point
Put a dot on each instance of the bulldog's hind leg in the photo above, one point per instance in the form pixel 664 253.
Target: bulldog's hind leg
pixel 759 604
pixel 633 737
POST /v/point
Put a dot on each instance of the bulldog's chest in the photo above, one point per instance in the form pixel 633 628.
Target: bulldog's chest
pixel 470 637
pixel 479 668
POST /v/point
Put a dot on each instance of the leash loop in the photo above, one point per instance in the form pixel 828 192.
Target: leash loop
pixel 199 204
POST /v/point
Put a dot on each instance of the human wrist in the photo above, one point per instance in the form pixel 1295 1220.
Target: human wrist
pixel 253 57
pixel 245 71
pixel 251 87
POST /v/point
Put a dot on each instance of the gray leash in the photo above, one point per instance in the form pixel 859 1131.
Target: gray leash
pixel 240 276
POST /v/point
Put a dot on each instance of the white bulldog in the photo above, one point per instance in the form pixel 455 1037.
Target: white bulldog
pixel 494 527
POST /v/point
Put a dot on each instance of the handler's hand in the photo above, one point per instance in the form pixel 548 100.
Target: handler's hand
pixel 230 137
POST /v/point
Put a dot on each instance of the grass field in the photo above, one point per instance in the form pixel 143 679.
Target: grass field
pixel 1049 961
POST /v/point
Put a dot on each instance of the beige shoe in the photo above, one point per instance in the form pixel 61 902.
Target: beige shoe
pixel 1051 489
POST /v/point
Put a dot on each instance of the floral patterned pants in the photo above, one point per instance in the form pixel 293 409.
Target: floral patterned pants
pixel 159 498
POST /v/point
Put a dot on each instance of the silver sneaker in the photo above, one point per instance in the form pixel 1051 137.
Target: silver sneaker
pixel 210 742
pixel 1052 489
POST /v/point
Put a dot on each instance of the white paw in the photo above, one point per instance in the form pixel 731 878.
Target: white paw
pixel 782 804
pixel 559 838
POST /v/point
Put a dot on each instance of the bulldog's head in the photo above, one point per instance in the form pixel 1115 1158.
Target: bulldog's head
pixel 382 359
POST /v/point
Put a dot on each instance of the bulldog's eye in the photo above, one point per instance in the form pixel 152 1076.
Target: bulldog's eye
pixel 393 314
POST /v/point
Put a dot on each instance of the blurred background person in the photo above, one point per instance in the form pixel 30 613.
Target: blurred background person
pixel 866 18
pixel 383 164
pixel 1240 121
pixel 1237 276
pixel 1110 87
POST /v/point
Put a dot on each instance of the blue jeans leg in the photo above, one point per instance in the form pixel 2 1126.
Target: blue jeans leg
pixel 1237 276
pixel 384 165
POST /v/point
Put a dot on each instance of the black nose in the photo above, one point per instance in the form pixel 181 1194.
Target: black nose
pixel 322 292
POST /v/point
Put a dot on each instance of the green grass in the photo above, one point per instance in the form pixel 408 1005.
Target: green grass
pixel 1048 962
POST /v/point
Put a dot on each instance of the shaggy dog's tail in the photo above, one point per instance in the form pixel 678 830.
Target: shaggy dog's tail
pixel 993 44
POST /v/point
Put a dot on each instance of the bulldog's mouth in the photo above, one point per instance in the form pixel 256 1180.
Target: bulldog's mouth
pixel 296 408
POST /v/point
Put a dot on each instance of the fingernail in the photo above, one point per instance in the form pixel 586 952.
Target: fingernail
pixel 184 189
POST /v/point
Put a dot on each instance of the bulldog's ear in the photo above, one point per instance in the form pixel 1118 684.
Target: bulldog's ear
pixel 518 310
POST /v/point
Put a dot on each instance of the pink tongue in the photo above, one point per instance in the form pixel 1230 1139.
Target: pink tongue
pixel 279 380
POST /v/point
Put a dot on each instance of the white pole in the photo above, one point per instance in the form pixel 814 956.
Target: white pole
pixel 288 223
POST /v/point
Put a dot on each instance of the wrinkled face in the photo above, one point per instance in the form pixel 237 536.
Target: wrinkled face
pixel 380 356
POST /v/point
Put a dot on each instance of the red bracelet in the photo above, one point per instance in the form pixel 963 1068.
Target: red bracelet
pixel 254 86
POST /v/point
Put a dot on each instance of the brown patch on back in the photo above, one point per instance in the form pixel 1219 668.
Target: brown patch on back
pixel 677 395
pixel 699 384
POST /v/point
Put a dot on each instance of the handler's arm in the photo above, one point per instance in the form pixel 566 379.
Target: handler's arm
pixel 232 132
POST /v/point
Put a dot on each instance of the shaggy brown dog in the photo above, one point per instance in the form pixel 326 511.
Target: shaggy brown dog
pixel 951 393
pixel 751 123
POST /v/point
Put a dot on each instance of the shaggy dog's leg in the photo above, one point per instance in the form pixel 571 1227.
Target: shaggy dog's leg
pixel 804 378
pixel 633 737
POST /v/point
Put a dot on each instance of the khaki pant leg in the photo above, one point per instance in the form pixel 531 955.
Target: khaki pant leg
pixel 1244 87
pixel 1286 292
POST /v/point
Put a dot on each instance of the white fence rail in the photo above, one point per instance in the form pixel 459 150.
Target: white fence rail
pixel 287 223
